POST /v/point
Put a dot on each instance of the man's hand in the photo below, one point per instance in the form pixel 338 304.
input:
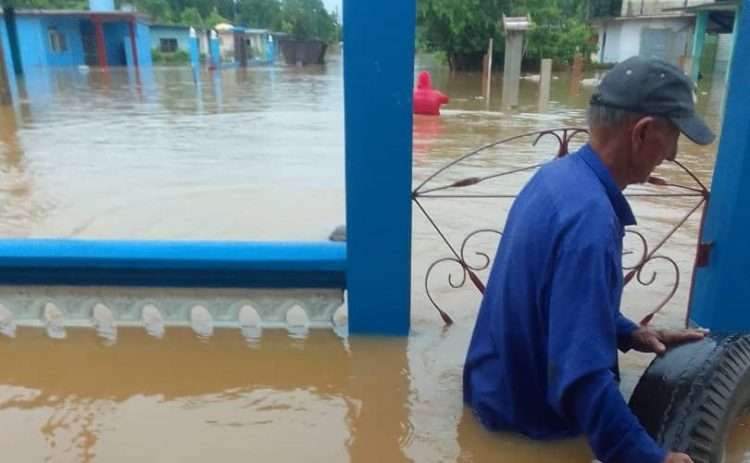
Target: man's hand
pixel 656 341
pixel 674 457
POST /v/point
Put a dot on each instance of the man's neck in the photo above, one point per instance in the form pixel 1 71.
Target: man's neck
pixel 611 159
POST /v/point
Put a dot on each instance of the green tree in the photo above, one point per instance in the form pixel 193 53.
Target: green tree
pixel 307 19
pixel 226 9
pixel 204 7
pixel 560 30
pixel 460 28
pixel 338 33
pixel 157 10
pixel 215 18
pixel 264 14
pixel 191 17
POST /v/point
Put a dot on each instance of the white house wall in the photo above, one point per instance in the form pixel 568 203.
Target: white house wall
pixel 624 38
pixel 611 52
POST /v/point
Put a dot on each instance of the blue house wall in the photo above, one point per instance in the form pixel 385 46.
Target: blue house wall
pixel 33 36
pixel 143 41
pixel 36 49
pixel 33 49
pixel 182 34
pixel 71 29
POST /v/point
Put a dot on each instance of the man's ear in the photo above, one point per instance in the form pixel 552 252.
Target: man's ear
pixel 640 130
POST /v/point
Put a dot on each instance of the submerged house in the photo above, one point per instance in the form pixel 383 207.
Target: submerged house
pixel 672 30
pixel 101 37
pixel 244 45
pixel 170 38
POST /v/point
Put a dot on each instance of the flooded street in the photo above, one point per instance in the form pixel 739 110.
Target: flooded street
pixel 258 154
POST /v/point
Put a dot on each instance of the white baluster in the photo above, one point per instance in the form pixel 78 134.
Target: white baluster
pixel 250 322
pixel 201 321
pixel 104 322
pixel 297 321
pixel 54 320
pixel 153 321
pixel 340 321
pixel 7 322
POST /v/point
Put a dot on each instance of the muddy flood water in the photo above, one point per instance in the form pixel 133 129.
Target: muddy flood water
pixel 258 154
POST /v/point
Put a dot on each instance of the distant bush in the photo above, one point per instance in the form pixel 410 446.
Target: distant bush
pixel 178 57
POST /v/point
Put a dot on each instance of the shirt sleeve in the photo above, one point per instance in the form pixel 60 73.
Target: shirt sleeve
pixel 582 329
pixel 583 334
pixel 624 328
pixel 613 433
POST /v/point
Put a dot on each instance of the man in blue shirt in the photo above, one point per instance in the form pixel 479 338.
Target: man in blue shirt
pixel 543 356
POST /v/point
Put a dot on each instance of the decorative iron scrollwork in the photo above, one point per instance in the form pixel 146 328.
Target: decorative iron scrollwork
pixel 430 188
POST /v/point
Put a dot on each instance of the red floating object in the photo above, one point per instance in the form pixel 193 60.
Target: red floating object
pixel 427 101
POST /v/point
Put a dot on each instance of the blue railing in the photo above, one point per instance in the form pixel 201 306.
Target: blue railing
pixel 207 264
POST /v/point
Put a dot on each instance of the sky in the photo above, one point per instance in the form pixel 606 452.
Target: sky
pixel 332 4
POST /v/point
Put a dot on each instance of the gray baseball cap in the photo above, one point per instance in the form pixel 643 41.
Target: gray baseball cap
pixel 655 88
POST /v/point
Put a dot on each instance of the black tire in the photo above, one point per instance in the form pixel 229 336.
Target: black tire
pixel 688 399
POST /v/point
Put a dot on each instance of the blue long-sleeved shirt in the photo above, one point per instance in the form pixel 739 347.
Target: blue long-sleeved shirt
pixel 543 356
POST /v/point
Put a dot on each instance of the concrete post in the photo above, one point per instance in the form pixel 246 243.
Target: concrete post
pixel 488 71
pixel 545 77
pixel 699 36
pixel 512 67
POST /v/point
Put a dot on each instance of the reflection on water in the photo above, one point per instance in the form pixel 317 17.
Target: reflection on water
pixel 179 399
pixel 111 156
pixel 258 154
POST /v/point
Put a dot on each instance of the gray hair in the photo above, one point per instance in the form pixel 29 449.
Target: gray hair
pixel 607 116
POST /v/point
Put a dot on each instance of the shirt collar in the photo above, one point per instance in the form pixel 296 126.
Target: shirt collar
pixel 619 203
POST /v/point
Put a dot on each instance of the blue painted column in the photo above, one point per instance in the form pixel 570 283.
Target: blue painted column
pixel 721 294
pixel 271 49
pixel 214 51
pixel 378 83
pixel 194 53
pixel 12 30
pixel 699 39
pixel 735 28
pixel 7 74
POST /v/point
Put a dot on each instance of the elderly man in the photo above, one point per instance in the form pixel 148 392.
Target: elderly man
pixel 543 356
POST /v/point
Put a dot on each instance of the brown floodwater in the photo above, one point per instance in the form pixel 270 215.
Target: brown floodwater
pixel 258 154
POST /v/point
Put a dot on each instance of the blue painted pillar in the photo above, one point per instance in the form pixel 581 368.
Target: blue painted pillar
pixel 721 294
pixel 12 29
pixel 214 51
pixel 699 38
pixel 7 74
pixel 735 28
pixel 133 43
pixel 195 56
pixel 271 49
pixel 378 83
